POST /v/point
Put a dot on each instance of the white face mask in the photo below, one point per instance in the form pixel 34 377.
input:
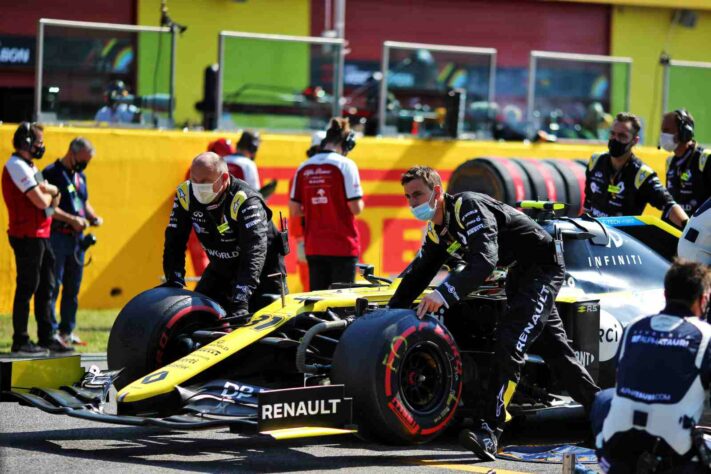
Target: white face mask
pixel 668 141
pixel 204 192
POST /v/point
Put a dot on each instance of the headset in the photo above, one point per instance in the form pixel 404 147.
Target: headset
pixel 349 142
pixel 24 136
pixel 685 124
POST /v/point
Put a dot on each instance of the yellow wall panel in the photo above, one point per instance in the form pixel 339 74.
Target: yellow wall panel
pixel 133 177
pixel 643 33
pixel 197 47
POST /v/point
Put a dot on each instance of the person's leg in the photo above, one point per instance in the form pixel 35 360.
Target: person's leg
pixel 556 351
pixel 73 272
pixel 342 269
pixel 531 298
pixel 319 274
pixel 215 286
pixel 43 295
pixel 27 261
pixel 57 241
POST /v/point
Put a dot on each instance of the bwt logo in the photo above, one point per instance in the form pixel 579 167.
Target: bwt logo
pixel 584 358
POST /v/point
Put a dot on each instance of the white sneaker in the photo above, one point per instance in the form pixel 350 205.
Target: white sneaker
pixel 72 340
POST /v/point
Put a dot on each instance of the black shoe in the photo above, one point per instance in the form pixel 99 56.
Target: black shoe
pixel 28 349
pixel 57 346
pixel 481 442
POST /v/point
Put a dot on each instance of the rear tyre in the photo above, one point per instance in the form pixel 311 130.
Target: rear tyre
pixel 404 374
pixel 154 329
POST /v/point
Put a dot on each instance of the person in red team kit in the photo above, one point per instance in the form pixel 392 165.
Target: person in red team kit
pixel 241 163
pixel 326 190
pixel 30 202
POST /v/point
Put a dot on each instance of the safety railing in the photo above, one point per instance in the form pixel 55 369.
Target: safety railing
pixel 574 96
pixel 433 89
pixel 277 81
pixel 103 73
pixel 686 87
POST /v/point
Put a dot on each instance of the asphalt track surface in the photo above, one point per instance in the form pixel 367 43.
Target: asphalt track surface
pixel 33 441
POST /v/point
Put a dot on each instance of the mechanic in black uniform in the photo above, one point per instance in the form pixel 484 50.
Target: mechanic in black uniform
pixel 484 233
pixel 645 423
pixel 617 183
pixel 688 169
pixel 234 225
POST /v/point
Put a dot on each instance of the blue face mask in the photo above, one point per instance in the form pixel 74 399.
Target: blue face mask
pixel 424 212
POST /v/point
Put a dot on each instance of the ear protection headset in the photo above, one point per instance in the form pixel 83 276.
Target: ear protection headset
pixel 685 124
pixel 24 137
pixel 349 142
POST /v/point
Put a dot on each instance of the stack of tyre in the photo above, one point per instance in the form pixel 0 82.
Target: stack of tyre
pixel 516 179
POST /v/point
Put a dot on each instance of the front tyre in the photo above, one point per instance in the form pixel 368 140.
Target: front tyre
pixel 404 374
pixel 154 329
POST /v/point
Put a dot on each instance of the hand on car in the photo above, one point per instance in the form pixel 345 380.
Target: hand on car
pixel 429 304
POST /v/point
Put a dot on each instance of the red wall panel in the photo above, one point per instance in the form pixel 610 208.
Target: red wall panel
pixel 20 17
pixel 513 27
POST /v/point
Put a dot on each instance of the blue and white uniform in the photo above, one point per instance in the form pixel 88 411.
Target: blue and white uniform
pixel 663 372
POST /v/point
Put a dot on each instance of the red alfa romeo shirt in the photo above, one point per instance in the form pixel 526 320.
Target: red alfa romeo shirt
pixel 26 220
pixel 323 185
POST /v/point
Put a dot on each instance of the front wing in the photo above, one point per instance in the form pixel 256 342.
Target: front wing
pixel 247 409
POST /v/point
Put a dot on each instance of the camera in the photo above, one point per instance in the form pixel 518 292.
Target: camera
pixel 87 241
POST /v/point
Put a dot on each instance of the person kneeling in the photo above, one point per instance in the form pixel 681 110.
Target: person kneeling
pixel 646 422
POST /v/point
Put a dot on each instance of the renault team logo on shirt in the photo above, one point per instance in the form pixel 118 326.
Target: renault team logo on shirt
pixel 321 198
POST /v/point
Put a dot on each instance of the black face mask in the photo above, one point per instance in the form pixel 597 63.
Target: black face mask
pixel 38 152
pixel 80 166
pixel 618 148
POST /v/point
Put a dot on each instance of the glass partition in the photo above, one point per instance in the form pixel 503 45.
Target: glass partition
pixel 436 90
pixel 686 87
pixel 278 82
pixel 575 96
pixel 104 74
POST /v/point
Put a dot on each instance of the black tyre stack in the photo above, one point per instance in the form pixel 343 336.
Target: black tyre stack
pixel 515 179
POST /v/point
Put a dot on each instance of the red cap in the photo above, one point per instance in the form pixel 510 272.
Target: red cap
pixel 221 146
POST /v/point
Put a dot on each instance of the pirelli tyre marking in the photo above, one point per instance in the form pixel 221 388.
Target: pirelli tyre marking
pixel 416 382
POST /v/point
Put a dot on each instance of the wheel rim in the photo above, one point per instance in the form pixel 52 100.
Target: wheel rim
pixel 422 378
pixel 179 342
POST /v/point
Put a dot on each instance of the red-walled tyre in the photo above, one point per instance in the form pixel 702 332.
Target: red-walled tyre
pixel 153 329
pixel 404 374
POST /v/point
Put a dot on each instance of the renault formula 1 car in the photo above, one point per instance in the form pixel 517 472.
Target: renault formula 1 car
pixel 340 361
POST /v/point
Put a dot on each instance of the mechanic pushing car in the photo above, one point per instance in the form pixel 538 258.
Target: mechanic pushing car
pixel 484 233
pixel 234 226
pixel 688 169
pixel 617 183
pixel 646 422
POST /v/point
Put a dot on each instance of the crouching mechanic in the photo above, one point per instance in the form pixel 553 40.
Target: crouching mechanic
pixel 484 233
pixel 234 225
pixel 646 422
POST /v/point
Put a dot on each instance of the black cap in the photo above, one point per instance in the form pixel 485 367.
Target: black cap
pixel 249 141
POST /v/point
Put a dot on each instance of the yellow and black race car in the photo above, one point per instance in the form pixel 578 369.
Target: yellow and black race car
pixel 339 361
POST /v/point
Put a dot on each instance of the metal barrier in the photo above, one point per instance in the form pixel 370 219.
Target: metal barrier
pixel 573 95
pixel 450 81
pixel 690 92
pixel 79 61
pixel 281 82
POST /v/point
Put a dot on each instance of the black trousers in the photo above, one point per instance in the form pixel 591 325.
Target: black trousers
pixel 216 285
pixel 34 260
pixel 325 270
pixel 530 315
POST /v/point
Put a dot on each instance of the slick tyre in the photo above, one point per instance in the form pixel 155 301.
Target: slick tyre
pixel 404 375
pixel 154 329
